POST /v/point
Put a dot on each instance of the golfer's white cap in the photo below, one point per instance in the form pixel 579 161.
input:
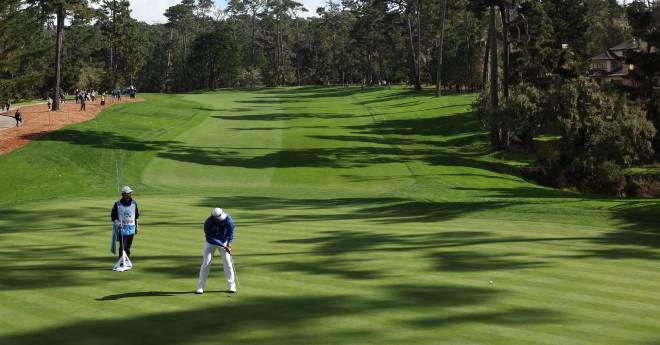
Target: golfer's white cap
pixel 126 190
pixel 218 213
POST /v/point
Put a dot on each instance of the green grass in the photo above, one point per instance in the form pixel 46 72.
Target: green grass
pixel 363 217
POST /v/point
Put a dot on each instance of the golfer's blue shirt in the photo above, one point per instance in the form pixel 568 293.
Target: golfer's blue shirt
pixel 219 233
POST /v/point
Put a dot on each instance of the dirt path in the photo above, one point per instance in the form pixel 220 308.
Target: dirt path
pixel 38 121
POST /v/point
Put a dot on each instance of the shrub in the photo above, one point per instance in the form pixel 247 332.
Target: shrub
pixel 600 135
pixel 604 177
pixel 522 113
pixel 643 185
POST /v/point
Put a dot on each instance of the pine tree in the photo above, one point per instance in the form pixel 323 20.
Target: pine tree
pixel 645 22
pixel 61 8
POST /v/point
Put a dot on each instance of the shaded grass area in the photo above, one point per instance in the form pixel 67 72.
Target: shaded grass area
pixel 283 317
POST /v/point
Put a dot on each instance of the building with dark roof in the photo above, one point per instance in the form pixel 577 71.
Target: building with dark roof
pixel 611 66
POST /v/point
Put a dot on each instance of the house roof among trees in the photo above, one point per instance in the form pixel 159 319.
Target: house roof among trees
pixel 632 44
pixel 607 55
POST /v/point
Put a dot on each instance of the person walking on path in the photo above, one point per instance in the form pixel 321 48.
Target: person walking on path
pixel 19 117
pixel 125 217
pixel 82 103
pixel 219 233
pixel 50 103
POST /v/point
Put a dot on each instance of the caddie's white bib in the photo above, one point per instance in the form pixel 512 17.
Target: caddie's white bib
pixel 126 213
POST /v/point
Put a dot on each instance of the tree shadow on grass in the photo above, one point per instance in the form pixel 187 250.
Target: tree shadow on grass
pixel 14 220
pixel 458 261
pixel 511 317
pixel 278 320
pixel 340 157
pixel 387 97
pixel 639 224
pixel 343 157
pixel 364 139
pixel 312 92
pixel 286 116
pixel 46 266
pixel 471 261
pixel 377 210
pixel 106 140
pixel 153 294
pixel 636 236
pixel 273 159
pixel 284 319
pixel 534 192
pixel 444 125
pixel 434 301
pixel 337 242
pixel 338 267
pixel 275 128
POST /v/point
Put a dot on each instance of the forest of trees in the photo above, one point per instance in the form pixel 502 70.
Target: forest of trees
pixel 276 42
pixel 528 58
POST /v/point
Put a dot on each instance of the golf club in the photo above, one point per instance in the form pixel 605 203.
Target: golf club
pixel 233 267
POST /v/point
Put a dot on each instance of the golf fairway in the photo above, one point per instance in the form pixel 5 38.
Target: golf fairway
pixel 363 217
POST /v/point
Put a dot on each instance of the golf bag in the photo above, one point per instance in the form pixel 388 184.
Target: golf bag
pixel 124 263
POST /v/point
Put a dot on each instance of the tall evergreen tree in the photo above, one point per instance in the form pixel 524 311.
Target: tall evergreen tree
pixel 25 51
pixel 645 22
pixel 60 8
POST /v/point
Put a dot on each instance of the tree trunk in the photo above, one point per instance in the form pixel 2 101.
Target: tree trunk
pixel 419 42
pixel 334 58
pixel 113 46
pixel 343 62
pixel 495 132
pixel 298 55
pixel 467 52
pixel 506 45
pixel 493 60
pixel 484 74
pixel 59 41
pixel 280 54
pixel 418 83
pixel 170 63
pixel 438 90
pixel 252 53
pixel 277 52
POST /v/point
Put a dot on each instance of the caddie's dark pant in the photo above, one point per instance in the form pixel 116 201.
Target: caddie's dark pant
pixel 127 241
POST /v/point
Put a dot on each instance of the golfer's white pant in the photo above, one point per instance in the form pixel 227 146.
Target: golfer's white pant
pixel 209 250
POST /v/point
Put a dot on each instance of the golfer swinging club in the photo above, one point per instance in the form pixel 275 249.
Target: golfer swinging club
pixel 219 233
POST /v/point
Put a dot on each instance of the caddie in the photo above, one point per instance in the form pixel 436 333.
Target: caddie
pixel 219 233
pixel 125 216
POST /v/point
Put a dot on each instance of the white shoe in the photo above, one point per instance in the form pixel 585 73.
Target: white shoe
pixel 199 291
pixel 232 288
